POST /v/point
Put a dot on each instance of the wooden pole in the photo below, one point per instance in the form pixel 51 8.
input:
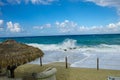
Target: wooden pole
pixel 97 63
pixel 66 62
pixel 40 61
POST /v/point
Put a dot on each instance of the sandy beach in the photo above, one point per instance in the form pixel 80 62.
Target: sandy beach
pixel 67 74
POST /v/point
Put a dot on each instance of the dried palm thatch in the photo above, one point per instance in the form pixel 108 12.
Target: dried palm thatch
pixel 12 53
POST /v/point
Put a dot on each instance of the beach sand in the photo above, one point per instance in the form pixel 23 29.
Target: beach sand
pixel 67 74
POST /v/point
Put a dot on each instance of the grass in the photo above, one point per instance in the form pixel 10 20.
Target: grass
pixel 67 74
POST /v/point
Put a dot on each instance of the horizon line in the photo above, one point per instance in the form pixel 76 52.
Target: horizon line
pixel 59 35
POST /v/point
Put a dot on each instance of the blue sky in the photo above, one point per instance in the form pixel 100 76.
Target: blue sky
pixel 58 17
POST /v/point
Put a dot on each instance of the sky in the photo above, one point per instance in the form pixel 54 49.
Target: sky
pixel 58 17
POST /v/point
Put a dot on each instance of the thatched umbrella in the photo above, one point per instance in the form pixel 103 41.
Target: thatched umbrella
pixel 14 53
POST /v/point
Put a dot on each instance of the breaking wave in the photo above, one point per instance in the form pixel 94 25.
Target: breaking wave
pixel 80 55
pixel 70 44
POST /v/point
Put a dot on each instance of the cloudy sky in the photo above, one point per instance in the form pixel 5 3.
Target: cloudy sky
pixel 58 17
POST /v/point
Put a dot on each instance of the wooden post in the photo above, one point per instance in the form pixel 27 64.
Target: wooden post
pixel 97 63
pixel 40 61
pixel 66 62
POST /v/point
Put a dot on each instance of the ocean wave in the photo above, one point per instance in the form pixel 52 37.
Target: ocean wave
pixel 80 56
pixel 70 44
pixel 66 44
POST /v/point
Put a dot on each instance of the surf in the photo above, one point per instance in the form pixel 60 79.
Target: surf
pixel 80 55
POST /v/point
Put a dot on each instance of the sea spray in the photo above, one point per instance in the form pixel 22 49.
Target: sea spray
pixel 81 56
pixel 66 44
pixel 69 44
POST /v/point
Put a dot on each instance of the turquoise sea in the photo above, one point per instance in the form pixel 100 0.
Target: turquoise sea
pixel 81 50
pixel 110 39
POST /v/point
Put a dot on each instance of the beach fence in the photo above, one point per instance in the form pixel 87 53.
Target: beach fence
pixel 40 61
pixel 99 63
pixel 66 62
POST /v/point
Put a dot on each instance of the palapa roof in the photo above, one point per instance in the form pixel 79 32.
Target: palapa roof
pixel 12 52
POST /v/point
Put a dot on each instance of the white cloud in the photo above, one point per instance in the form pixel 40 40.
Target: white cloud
pixel 110 28
pixel 48 25
pixel 108 3
pixel 38 27
pixel 7 2
pixel 43 26
pixel 14 1
pixel 66 26
pixel 1 3
pixel 1 29
pixel 13 27
pixel 43 2
pixel 73 28
pixel 1 25
pixel 70 27
pixel 1 22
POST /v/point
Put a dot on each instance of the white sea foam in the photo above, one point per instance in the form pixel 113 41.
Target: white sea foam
pixel 67 44
pixel 81 56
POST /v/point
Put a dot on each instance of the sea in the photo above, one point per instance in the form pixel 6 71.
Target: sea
pixel 81 50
